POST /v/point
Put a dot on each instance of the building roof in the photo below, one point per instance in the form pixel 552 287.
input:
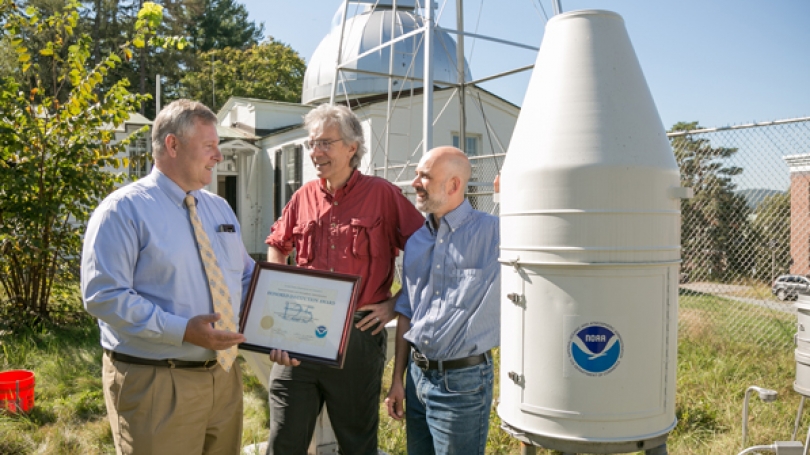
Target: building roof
pixel 241 100
pixel 133 119
pixel 226 133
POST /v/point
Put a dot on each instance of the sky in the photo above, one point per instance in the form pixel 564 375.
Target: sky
pixel 717 62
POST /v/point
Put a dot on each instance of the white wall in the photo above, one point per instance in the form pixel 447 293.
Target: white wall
pixel 406 135
pixel 404 144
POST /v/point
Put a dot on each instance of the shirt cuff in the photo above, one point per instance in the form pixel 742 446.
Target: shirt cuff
pixel 277 244
pixel 403 307
pixel 174 330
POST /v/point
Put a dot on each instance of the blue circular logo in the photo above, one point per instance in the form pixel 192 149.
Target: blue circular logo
pixel 320 331
pixel 595 348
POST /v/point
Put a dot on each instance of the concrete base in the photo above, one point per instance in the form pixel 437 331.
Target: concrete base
pixel 652 446
pixel 261 449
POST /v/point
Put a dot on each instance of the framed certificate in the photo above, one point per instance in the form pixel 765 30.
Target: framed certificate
pixel 305 312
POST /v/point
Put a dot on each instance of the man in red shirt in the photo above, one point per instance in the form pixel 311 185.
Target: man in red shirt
pixel 344 222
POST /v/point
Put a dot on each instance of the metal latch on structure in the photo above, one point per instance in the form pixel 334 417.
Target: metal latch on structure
pixel 514 263
pixel 517 378
pixel 516 298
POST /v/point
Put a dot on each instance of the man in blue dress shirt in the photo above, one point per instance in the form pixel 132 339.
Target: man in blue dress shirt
pixel 449 314
pixel 143 278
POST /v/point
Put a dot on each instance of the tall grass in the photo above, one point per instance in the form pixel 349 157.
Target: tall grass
pixel 69 413
pixel 715 366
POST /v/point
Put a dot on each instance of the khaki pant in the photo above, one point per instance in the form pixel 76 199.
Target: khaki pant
pixel 173 411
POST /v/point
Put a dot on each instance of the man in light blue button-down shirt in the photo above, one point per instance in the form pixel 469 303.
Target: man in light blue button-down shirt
pixel 449 314
pixel 143 278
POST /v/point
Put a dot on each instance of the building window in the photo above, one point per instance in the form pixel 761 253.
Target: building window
pixel 293 170
pixel 288 174
pixel 473 146
pixel 139 153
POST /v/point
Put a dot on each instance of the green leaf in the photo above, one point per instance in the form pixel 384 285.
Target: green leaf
pixel 51 166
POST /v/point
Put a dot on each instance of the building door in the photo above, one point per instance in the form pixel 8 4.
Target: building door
pixel 227 189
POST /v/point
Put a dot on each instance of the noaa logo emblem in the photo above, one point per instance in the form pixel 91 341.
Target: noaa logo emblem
pixel 320 331
pixel 595 348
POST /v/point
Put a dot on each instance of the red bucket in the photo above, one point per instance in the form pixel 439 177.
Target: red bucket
pixel 17 390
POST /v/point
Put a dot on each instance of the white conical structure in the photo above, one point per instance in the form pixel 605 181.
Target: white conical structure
pixel 590 246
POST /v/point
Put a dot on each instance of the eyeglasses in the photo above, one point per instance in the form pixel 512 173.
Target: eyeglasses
pixel 323 144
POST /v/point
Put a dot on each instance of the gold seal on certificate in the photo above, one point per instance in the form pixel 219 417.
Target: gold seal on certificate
pixel 305 312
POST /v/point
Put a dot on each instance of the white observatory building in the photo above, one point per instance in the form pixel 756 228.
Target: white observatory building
pixel 259 175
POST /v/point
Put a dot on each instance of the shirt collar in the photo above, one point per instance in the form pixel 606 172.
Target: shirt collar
pixel 172 190
pixel 454 218
pixel 345 189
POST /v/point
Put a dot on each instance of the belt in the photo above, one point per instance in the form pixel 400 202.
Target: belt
pixel 170 363
pixel 426 364
pixel 360 314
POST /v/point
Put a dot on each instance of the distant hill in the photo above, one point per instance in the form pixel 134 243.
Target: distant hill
pixel 754 196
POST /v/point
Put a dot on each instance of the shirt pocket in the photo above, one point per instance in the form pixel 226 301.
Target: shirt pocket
pixel 465 286
pixel 304 241
pixel 231 245
pixel 368 238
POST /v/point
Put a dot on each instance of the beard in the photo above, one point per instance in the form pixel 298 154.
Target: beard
pixel 429 203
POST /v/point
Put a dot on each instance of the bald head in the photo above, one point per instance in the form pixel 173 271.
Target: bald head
pixel 441 180
pixel 454 162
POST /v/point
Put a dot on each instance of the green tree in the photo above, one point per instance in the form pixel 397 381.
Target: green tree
pixel 772 227
pixel 217 24
pixel 110 25
pixel 714 222
pixel 7 67
pixel 208 24
pixel 270 70
pixel 56 147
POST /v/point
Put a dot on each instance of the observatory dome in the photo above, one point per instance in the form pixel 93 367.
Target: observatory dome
pixel 367 76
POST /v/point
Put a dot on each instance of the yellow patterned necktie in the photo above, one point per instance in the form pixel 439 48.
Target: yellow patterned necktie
pixel 216 283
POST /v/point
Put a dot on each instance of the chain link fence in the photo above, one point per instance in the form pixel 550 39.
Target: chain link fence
pixel 745 233
pixel 746 226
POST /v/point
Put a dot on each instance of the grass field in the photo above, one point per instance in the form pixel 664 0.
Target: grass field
pixel 715 366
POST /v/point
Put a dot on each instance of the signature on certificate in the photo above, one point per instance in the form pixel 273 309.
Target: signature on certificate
pixel 296 312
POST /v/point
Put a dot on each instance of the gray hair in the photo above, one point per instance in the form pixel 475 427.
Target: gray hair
pixel 177 118
pixel 348 124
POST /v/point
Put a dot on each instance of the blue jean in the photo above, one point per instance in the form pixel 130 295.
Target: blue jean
pixel 447 412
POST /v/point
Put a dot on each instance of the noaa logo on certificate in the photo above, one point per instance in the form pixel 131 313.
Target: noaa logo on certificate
pixel 320 331
pixel 595 348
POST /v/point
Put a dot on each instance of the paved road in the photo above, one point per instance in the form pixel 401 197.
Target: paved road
pixel 731 291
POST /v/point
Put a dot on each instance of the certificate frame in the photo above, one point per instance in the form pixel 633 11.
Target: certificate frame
pixel 306 312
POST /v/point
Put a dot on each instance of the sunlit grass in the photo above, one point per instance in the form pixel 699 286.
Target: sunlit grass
pixel 717 362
